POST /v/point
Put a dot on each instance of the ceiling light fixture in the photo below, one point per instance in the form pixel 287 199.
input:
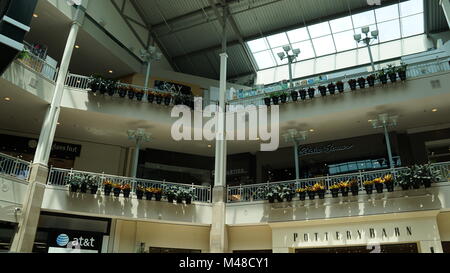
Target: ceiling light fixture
pixel 209 145
pixel 110 71
pixel 434 110
pixel 7 99
pixel 77 46
pixel 35 15
pixel 311 130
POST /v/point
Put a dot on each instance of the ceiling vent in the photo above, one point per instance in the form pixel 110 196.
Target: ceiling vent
pixel 435 84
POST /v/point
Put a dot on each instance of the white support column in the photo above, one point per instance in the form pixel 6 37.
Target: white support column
pixel 297 163
pixel 24 238
pixel 135 161
pixel 219 234
pixel 445 4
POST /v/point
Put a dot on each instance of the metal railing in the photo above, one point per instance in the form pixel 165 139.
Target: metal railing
pixel 15 167
pixel 59 177
pixel 257 192
pixel 414 70
pixel 83 82
pixel 37 64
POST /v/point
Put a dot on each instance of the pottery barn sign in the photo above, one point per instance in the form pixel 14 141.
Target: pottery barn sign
pixel 358 234
pixel 323 149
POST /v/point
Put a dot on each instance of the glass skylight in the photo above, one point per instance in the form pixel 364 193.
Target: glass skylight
pixel 394 22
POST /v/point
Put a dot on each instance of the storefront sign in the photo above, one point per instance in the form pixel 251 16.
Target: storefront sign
pixel 62 240
pixel 173 87
pixel 358 234
pixel 323 150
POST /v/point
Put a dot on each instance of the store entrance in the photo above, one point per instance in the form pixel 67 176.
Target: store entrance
pixel 397 248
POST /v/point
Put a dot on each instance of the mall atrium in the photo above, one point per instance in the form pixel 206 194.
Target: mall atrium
pixel 225 126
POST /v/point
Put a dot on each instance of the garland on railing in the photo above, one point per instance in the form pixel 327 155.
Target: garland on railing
pixel 112 87
pixel 392 72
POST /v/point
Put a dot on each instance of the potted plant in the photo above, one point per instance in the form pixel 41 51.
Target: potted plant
pixel 405 179
pixel 123 90
pixel 267 101
pixel 392 73
pixel 171 193
pixel 334 190
pixel 425 175
pixel 177 100
pixel 167 98
pixel 294 95
pixel 311 193
pixel 93 181
pixel 275 98
pixel 382 76
pixel 111 87
pixel 303 94
pixel 352 84
pixel 320 189
pixel 107 187
pixel 379 184
pixel 322 90
pixel 139 94
pixel 311 92
pixel 131 93
pixel 149 193
pixel 94 83
pixel 389 182
pixel 283 97
pixel 354 187
pixel 345 188
pixel 140 192
pixel 103 88
pixel 159 98
pixel 402 71
pixel 117 188
pixel 340 86
pixel 73 181
pixel 271 195
pixel 83 184
pixel 302 193
pixel 332 88
pixel 126 189
pixel 368 186
pixel 150 96
pixel 286 193
pixel 158 193
pixel 371 80
pixel 362 82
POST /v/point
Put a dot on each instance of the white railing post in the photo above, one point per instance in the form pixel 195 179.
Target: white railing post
pixel 50 173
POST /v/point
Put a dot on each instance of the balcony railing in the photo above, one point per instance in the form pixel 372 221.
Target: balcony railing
pixel 414 70
pixel 37 64
pixel 257 192
pixel 15 167
pixel 58 177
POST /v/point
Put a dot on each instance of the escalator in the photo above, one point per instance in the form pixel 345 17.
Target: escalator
pixel 15 19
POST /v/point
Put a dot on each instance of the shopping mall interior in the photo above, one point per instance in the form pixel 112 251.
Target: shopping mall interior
pixel 355 94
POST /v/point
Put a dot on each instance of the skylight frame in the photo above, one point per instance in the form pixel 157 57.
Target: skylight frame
pixel 332 34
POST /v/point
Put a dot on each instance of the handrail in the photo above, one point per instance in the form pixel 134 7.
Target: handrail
pixel 57 177
pixel 15 167
pixel 257 192
pixel 414 70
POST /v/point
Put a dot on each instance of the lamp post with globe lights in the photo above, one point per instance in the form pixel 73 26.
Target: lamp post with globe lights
pixel 139 136
pixel 149 55
pixel 367 40
pixel 384 121
pixel 295 136
pixel 291 58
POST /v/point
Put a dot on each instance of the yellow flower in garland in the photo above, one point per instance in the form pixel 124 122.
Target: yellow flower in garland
pixel 301 190
pixel 388 178
pixel 368 183
pixel 344 184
